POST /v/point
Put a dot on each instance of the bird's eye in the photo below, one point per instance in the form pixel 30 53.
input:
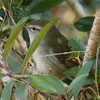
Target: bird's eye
pixel 34 28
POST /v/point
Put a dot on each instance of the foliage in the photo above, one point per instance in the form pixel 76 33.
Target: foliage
pixel 36 43
pixel 6 94
pixel 15 16
pixel 48 84
pixel 13 36
pixel 81 79
pixel 84 24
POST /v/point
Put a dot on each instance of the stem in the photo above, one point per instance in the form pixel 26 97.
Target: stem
pixel 96 67
pixel 77 7
pixel 62 53
pixel 94 40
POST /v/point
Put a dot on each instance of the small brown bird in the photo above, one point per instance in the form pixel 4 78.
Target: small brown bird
pixel 53 43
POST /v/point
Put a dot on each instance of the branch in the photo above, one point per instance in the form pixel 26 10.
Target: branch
pixel 77 7
pixel 94 39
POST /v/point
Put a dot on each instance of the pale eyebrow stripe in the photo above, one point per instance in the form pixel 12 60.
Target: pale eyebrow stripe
pixel 37 27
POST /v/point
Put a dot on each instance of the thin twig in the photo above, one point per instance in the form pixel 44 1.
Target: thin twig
pixel 20 76
pixel 94 92
pixel 62 53
pixel 94 40
pixel 96 67
pixel 77 8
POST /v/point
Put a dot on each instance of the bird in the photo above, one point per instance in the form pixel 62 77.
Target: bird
pixel 54 43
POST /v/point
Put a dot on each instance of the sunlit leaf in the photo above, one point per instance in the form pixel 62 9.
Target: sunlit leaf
pixel 37 41
pixel 6 3
pixel 6 94
pixel 14 33
pixel 84 24
pixel 48 84
pixel 1 4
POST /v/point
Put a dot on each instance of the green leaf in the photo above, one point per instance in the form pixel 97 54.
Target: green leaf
pixel 1 4
pixel 81 79
pixel 75 87
pixel 84 24
pixel 87 67
pixel 18 13
pixel 71 72
pixel 76 44
pixel 14 33
pixel 6 94
pixel 21 92
pixel 1 75
pixel 17 2
pixel 21 3
pixel 14 62
pixel 26 2
pixel 47 84
pixel 38 6
pixel 37 42
pixel 6 3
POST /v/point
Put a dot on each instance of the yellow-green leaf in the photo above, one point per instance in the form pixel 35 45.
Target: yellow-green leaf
pixel 37 42
pixel 14 33
pixel 6 93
